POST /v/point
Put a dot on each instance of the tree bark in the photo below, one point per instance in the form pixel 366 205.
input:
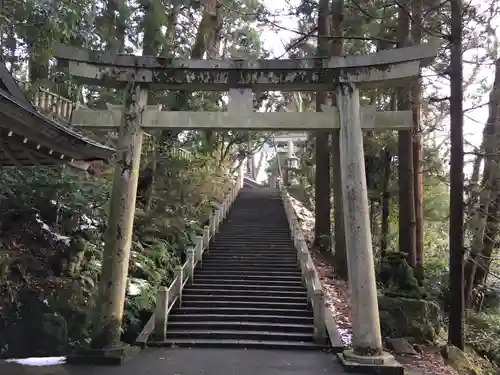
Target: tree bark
pixel 151 47
pixel 456 324
pixel 208 41
pixel 489 193
pixel 322 186
pixel 340 254
pixel 416 92
pixel 405 143
pixel 489 243
pixel 386 198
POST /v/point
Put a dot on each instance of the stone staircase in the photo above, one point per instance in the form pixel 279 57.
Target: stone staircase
pixel 249 290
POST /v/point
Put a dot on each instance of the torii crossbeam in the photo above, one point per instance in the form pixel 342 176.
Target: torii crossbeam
pixel 384 68
pixel 154 119
pixel 345 75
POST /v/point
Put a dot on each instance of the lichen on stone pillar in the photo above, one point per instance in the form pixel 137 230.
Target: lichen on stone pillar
pixel 118 237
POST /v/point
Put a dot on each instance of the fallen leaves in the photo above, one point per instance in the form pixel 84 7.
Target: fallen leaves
pixel 429 361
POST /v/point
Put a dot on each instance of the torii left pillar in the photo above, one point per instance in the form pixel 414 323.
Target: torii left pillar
pixel 106 346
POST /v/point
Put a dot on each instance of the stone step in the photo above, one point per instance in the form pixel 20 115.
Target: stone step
pixel 274 274
pixel 255 244
pixel 208 296
pixel 244 303
pixel 249 267
pixel 248 290
pixel 236 343
pixel 256 239
pixel 290 254
pixel 239 335
pixel 247 228
pixel 235 280
pixel 235 255
pixel 258 262
pixel 282 319
pixel 262 292
pixel 243 228
pixel 248 278
pixel 257 218
pixel 254 249
pixel 208 273
pixel 254 235
pixel 304 312
pixel 242 325
pixel 260 226
pixel 217 284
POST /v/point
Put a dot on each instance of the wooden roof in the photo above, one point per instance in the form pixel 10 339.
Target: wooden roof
pixel 30 138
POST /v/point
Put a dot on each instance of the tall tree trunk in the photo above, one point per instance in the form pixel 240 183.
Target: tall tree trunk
pixel 473 190
pixel 405 143
pixel 489 192
pixel 386 198
pixel 489 243
pixel 115 38
pixel 416 92
pixel 456 324
pixel 337 49
pixel 38 63
pixel 208 40
pixel 151 47
pixel 322 205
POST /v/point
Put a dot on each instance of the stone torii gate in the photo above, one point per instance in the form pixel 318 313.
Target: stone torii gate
pixel 345 75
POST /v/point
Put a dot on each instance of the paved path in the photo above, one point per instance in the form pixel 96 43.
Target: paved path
pixel 185 361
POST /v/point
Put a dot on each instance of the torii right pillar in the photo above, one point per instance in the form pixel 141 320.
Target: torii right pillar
pixel 367 354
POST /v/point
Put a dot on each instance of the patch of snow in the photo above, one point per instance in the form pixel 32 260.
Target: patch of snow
pixel 136 286
pixel 88 223
pixel 57 236
pixel 345 335
pixel 39 361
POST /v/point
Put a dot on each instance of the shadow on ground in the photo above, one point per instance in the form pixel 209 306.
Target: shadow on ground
pixel 184 361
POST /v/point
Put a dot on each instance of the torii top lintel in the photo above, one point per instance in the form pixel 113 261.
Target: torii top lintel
pixel 384 68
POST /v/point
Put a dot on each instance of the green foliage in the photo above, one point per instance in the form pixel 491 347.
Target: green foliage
pixel 52 225
pixel 481 329
pixel 397 277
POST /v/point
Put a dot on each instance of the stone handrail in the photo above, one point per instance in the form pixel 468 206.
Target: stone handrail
pixel 166 298
pixel 322 331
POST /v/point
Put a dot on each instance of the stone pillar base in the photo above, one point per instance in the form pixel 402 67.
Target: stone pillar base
pixel 112 356
pixel 383 364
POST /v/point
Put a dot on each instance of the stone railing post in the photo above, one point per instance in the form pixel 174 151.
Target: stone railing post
pixel 206 237
pixel 211 225
pixel 160 314
pixel 178 287
pixel 273 182
pixel 318 303
pixel 308 275
pixel 190 255
pixel 241 174
pixel 199 249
